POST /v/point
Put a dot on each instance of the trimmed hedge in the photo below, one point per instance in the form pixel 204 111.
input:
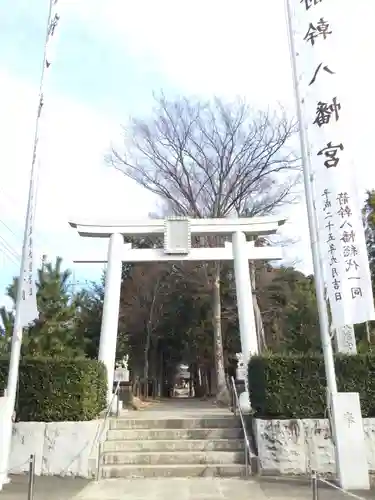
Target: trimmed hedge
pixel 293 386
pixel 56 389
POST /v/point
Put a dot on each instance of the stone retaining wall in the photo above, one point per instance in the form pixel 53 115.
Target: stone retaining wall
pixel 296 446
pixel 284 446
pixel 60 448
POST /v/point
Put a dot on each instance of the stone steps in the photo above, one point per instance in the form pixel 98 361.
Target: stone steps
pixel 145 471
pixel 174 445
pixel 174 458
pixel 169 434
pixel 175 423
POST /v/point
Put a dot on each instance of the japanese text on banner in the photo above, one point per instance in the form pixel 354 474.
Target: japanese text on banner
pixel 319 58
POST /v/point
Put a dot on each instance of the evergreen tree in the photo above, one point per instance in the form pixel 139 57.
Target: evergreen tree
pixel 369 220
pixel 89 317
pixel 6 329
pixel 365 332
pixel 53 332
pixel 290 310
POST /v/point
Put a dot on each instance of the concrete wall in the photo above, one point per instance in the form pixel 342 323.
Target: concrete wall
pixel 296 446
pixel 60 448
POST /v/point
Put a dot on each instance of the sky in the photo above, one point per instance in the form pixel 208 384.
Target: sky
pixel 111 55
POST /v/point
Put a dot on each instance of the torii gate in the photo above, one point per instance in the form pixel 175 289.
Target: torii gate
pixel 177 232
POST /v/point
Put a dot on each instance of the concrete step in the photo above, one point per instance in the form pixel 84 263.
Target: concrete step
pixel 174 458
pixel 206 470
pixel 175 423
pixel 175 445
pixel 168 434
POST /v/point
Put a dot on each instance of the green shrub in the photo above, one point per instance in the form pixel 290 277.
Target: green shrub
pixel 56 389
pixel 293 386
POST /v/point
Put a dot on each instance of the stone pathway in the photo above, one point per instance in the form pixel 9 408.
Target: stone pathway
pixel 294 489
pixel 206 489
pixel 172 489
pixel 46 488
pixel 178 408
pixel 57 488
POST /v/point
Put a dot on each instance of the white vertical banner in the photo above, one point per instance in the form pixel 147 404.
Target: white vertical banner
pixel 28 304
pixel 320 38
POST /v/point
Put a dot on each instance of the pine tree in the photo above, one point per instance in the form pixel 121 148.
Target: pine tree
pixel 369 220
pixel 6 329
pixel 53 333
pixel 365 332
pixel 291 311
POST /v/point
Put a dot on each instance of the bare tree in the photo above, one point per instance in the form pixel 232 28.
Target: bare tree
pixel 211 159
pixel 142 306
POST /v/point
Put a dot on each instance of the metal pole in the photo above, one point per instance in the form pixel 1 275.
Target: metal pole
pixel 368 333
pixel 313 226
pixel 30 493
pixel 17 329
pixel 98 464
pixel 74 280
pixel 314 485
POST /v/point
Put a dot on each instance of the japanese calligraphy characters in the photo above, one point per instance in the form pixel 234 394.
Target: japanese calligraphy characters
pixel 320 30
pixel 310 3
pixel 331 153
pixel 323 107
pixel 321 68
pixel 326 111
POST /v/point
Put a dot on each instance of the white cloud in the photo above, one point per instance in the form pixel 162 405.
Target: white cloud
pixel 73 179
pixel 207 47
pixel 241 48
pixel 73 140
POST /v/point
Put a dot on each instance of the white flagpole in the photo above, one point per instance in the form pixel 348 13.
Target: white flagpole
pixel 313 226
pixel 26 267
pixel 349 439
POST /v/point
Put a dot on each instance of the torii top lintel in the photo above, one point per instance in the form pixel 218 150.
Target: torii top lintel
pixel 248 225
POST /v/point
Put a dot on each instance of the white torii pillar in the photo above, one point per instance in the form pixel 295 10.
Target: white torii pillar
pixel 246 317
pixel 240 251
pixel 111 308
pixel 245 306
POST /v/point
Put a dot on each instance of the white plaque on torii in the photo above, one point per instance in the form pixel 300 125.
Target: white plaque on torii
pixel 177 236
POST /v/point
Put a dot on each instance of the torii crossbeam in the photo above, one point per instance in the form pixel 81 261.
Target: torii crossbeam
pixel 177 233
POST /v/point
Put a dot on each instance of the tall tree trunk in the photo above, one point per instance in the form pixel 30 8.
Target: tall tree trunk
pixel 209 380
pixel 162 376
pixel 258 316
pixel 191 380
pixel 259 325
pixel 222 395
pixel 147 349
pixel 198 388
pixel 206 383
pixel 149 328
pixel 146 363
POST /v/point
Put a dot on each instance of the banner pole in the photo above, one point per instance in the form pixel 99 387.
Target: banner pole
pixel 25 305
pixel 312 219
